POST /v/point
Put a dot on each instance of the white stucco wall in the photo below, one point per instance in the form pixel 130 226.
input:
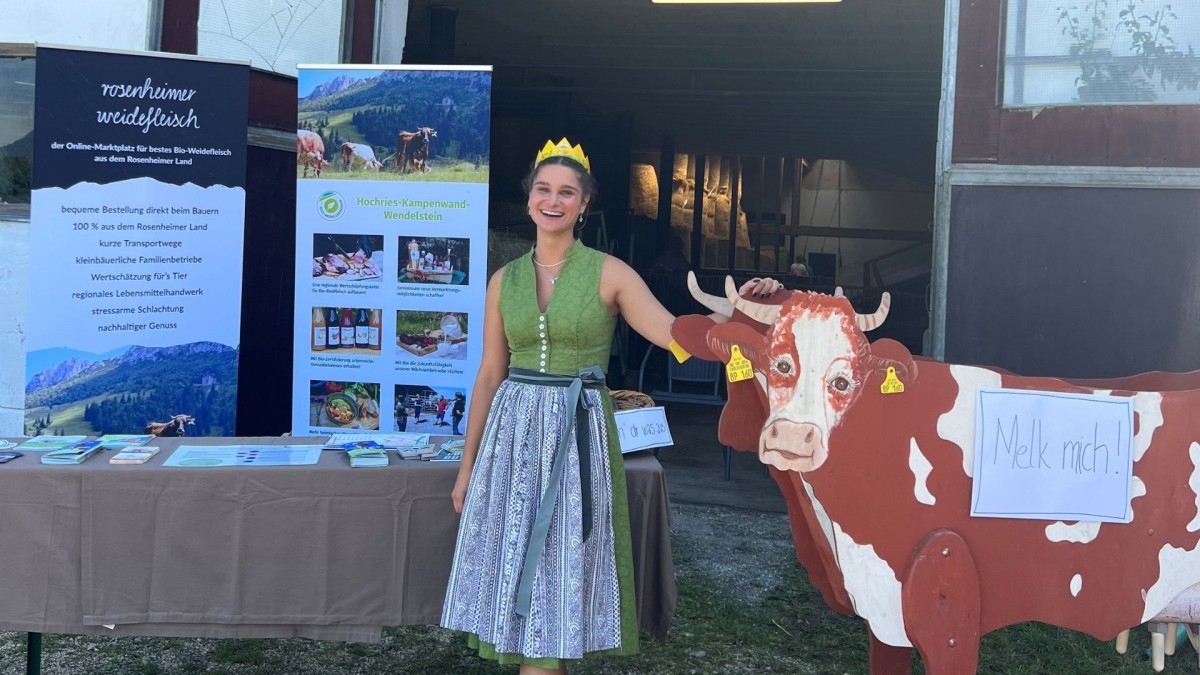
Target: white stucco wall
pixel 389 36
pixel 14 271
pixel 110 24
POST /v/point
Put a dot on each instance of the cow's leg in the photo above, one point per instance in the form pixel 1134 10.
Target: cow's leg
pixel 941 604
pixel 1158 643
pixel 888 660
pixel 1123 641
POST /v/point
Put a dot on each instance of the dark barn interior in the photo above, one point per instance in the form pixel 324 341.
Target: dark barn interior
pixel 819 120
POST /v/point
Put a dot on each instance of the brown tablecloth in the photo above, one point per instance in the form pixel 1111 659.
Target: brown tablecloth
pixel 324 551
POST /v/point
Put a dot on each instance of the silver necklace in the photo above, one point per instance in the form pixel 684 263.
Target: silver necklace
pixel 554 279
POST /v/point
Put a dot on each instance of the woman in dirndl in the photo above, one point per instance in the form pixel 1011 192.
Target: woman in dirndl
pixel 543 567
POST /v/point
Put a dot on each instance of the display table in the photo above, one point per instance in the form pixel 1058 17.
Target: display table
pixel 323 551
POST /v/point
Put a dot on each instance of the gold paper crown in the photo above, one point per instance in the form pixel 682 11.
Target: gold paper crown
pixel 563 149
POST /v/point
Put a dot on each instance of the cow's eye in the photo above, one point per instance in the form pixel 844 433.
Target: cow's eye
pixel 783 367
pixel 840 383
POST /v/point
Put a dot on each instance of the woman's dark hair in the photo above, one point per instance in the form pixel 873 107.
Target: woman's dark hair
pixel 586 182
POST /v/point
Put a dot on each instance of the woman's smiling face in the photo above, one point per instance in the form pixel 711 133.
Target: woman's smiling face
pixel 557 198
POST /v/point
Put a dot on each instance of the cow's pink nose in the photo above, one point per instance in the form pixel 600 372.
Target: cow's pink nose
pixel 790 431
pixel 799 446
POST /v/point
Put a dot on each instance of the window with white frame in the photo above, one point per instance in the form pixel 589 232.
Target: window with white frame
pixel 1101 52
pixel 272 35
pixel 16 134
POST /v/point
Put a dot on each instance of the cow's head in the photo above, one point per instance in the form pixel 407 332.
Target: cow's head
pixel 811 365
pixel 427 133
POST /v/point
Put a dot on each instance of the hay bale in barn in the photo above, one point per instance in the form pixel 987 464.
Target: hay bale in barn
pixel 504 247
pixel 683 192
pixel 643 191
pixel 719 224
pixel 681 216
pixel 681 167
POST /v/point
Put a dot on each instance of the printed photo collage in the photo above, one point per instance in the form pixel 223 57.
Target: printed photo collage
pixel 389 311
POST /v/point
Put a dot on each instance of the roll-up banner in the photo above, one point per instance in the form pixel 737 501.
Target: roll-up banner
pixel 391 245
pixel 136 227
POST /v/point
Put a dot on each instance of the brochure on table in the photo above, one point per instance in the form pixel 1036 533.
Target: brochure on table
pixel 137 217
pixel 203 456
pixel 391 247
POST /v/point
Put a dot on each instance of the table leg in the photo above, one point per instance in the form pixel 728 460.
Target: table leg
pixel 33 654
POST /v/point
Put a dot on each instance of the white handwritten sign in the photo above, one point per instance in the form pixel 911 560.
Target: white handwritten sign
pixel 1051 456
pixel 642 429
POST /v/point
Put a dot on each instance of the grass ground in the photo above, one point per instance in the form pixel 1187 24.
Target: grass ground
pixel 68 418
pixel 456 172
pixel 745 607
pixel 340 121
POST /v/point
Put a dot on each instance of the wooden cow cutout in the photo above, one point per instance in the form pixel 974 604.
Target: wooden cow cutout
pixel 878 486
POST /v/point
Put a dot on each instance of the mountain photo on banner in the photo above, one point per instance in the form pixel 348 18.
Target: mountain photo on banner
pixel 419 125
pixel 124 390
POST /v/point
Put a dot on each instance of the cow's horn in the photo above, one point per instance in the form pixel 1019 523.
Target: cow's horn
pixel 839 293
pixel 714 302
pixel 764 314
pixel 869 322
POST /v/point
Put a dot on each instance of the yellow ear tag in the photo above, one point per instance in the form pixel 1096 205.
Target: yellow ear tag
pixel 739 367
pixel 891 383
pixel 680 353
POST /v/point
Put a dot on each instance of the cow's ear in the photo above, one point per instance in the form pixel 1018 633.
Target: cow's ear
pixel 691 332
pixel 887 353
pixel 752 344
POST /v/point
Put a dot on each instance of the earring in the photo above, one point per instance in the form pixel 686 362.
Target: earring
pixel 581 217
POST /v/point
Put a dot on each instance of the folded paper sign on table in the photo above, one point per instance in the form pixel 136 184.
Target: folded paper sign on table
pixel 76 454
pixel 642 429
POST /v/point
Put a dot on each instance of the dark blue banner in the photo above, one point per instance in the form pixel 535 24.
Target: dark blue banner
pixel 139 208
pixel 103 117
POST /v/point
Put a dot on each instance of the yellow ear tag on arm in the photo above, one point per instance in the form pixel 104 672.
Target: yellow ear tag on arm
pixel 739 367
pixel 678 352
pixel 891 383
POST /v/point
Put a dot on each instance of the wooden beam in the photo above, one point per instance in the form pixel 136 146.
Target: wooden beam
pixel 180 19
pixel 698 212
pixel 666 164
pixel 735 183
pixel 361 35
pixel 858 233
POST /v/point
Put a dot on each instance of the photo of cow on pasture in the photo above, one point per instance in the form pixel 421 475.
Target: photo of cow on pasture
pixel 421 125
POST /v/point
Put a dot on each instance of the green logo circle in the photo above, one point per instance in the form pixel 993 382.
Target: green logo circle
pixel 331 205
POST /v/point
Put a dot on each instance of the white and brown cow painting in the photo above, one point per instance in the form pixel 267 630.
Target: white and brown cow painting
pixel 359 154
pixel 878 486
pixel 310 152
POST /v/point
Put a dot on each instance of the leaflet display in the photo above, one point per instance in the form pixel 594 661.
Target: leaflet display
pixel 391 244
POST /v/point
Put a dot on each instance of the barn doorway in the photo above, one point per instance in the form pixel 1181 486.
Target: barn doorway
pixel 796 140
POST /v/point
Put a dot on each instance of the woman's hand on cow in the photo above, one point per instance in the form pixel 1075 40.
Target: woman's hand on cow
pixel 761 288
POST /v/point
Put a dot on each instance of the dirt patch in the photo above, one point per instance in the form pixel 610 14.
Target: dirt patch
pixel 739 554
